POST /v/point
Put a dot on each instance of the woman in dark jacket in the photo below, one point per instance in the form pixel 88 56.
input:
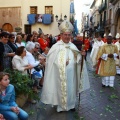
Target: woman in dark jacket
pixel 6 53
pixel 11 42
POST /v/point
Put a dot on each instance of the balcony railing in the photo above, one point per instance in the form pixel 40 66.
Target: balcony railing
pixel 114 1
pixel 102 7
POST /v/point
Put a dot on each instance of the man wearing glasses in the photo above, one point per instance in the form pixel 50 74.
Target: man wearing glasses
pixel 62 72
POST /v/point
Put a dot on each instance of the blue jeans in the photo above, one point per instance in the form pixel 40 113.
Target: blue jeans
pixel 10 115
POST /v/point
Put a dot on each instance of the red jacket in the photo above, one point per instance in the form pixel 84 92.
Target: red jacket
pixel 87 44
pixel 43 43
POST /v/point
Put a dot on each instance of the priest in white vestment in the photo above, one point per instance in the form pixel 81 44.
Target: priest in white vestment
pixel 62 79
pixel 118 59
pixel 96 46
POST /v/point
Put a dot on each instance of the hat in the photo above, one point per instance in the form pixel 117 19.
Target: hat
pixel 117 35
pixel 65 26
pixel 81 34
pixel 110 34
pixel 104 34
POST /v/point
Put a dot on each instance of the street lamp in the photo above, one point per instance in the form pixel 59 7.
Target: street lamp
pixel 60 20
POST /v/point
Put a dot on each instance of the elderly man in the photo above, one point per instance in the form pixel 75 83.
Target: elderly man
pixel 62 80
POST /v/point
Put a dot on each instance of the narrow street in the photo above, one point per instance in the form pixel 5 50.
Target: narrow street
pixel 96 103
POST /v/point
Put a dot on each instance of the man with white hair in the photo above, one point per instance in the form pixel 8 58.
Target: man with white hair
pixel 31 60
pixel 62 73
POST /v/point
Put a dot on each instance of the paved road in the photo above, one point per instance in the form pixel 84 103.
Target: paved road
pixel 97 103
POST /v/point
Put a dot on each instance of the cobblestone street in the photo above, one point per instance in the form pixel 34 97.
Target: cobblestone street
pixel 97 103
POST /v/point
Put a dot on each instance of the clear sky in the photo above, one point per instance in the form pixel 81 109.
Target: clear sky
pixel 81 6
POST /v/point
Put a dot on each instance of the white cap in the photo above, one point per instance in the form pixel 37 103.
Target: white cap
pixel 81 34
pixel 85 34
pixel 65 26
pixel 110 34
pixel 104 34
pixel 117 35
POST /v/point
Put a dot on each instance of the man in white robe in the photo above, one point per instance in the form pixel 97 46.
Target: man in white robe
pixel 118 60
pixel 62 73
pixel 96 46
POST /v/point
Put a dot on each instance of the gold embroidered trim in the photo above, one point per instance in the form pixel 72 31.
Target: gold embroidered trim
pixel 62 66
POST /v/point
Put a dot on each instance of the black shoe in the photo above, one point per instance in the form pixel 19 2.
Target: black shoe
pixel 103 85
pixel 73 110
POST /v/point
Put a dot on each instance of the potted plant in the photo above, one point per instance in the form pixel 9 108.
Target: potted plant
pixel 22 85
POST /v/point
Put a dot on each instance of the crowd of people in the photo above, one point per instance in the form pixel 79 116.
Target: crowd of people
pixel 52 63
pixel 24 53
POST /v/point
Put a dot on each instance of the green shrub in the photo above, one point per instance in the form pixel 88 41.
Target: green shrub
pixel 22 83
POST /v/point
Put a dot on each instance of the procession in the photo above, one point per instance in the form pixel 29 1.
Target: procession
pixel 52 70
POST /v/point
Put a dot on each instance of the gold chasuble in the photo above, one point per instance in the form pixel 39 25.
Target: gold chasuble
pixel 107 67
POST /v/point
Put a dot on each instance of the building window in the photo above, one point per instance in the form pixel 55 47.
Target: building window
pixel 27 29
pixel 33 10
pixel 48 9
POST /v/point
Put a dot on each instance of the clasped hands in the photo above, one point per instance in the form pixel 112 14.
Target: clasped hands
pixel 15 109
pixel 83 52
pixel 110 55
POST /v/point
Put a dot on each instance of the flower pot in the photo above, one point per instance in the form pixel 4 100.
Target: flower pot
pixel 21 100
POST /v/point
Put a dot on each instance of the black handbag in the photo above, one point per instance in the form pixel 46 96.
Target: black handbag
pixel 37 68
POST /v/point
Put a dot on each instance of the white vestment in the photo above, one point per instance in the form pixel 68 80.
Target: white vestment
pixel 118 60
pixel 61 81
pixel 94 51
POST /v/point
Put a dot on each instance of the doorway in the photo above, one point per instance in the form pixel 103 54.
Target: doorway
pixel 7 27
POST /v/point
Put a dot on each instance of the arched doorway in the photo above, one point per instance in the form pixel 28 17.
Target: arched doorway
pixel 7 27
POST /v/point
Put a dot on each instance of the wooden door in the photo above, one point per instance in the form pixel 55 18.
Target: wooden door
pixel 7 27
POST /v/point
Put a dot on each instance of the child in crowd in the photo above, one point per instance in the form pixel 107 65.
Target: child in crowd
pixel 8 107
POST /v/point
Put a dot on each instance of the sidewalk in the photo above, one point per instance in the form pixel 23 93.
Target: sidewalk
pixel 97 103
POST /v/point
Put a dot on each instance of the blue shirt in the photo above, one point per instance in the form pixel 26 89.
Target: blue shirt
pixel 8 100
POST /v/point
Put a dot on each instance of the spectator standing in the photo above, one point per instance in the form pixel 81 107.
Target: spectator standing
pixel 29 38
pixel 43 43
pixel 24 37
pixel 6 53
pixel 11 42
pixel 19 41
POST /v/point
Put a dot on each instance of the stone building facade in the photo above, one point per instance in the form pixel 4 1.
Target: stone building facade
pixel 13 14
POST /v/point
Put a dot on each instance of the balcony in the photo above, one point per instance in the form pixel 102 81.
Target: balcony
pixel 114 1
pixel 102 7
